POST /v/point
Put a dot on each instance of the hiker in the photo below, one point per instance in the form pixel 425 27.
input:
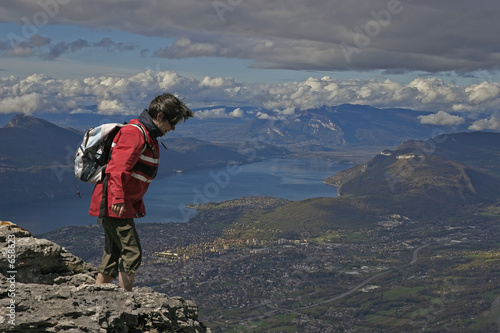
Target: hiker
pixel 132 166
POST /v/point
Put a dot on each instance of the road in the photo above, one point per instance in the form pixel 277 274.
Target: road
pixel 415 253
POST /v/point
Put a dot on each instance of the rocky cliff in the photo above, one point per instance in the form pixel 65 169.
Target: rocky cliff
pixel 44 288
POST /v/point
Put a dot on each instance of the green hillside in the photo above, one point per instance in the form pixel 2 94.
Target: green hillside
pixel 303 219
pixel 414 181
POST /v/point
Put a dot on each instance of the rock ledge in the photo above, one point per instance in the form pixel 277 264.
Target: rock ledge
pixel 54 291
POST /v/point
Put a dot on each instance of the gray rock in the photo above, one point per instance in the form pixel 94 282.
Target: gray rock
pixel 54 291
pixel 37 260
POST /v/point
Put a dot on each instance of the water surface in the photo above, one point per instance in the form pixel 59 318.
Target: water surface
pixel 167 197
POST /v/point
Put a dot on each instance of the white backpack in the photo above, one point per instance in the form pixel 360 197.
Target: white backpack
pixel 92 156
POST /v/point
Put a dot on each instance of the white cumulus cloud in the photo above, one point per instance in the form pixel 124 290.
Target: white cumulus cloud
pixel 211 113
pixel 219 113
pixel 442 118
pixel 483 92
pixel 492 123
pixel 237 113
pixel 27 104
pixel 130 94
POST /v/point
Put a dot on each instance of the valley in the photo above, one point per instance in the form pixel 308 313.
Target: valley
pixel 411 276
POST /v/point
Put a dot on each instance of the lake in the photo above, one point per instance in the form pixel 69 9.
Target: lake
pixel 167 197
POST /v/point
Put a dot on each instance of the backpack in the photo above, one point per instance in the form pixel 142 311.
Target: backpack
pixel 92 155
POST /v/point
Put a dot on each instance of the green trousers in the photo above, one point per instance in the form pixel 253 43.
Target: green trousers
pixel 122 249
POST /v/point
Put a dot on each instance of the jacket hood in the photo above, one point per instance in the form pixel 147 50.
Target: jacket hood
pixel 146 120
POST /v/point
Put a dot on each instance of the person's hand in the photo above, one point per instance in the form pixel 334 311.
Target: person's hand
pixel 118 209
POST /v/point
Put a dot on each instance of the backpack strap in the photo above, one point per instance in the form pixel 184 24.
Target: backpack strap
pixel 147 144
pixel 104 200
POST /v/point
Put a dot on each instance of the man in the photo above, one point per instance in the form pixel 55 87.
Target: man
pixel 132 166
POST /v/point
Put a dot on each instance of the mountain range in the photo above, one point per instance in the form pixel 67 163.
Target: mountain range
pixel 36 155
pixel 343 125
pixel 319 128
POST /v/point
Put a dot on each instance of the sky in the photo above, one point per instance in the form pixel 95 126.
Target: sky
pixel 114 56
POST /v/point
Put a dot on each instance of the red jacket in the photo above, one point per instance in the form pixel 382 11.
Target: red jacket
pixel 131 168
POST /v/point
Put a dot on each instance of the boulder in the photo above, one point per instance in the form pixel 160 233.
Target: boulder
pixel 37 260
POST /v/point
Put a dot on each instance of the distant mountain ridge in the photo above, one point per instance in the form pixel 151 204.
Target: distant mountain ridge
pixel 422 178
pixel 29 141
pixel 319 128
pixel 36 159
pixel 341 125
pixel 36 155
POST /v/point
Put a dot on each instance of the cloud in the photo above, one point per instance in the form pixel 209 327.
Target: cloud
pixel 395 36
pixel 185 48
pixel 129 94
pixel 110 106
pixel 237 113
pixel 483 92
pixel 214 113
pixel 265 116
pixel 111 45
pixel 62 47
pixel 44 48
pixel 219 113
pixel 216 82
pixel 26 104
pixel 15 48
pixel 492 123
pixel 442 118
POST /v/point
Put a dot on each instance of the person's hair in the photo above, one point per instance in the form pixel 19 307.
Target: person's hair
pixel 173 109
